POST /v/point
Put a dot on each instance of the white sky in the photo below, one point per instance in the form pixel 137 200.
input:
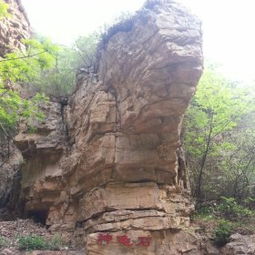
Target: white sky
pixel 228 25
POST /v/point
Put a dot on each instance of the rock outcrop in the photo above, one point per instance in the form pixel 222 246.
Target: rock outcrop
pixel 240 244
pixel 114 175
pixel 14 29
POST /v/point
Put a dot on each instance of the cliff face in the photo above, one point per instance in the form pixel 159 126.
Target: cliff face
pixel 12 31
pixel 110 170
pixel 15 29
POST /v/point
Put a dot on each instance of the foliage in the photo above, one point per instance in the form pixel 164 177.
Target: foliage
pixel 223 232
pixel 249 202
pixel 56 243
pixel 25 66
pixel 60 79
pixel 22 67
pixel 4 10
pixel 42 68
pixel 85 48
pixel 34 242
pixel 204 212
pixel 3 242
pixel 230 209
pixel 13 107
pixel 219 138
pixel 223 218
pixel 82 56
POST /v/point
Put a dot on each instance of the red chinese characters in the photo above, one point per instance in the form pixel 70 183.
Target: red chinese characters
pixel 104 239
pixel 124 240
pixel 144 241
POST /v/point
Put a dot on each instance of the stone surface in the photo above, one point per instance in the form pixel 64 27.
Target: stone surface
pixel 111 162
pixel 42 151
pixel 10 251
pixel 9 176
pixel 162 243
pixel 14 29
pixel 10 231
pixel 54 253
pixel 240 244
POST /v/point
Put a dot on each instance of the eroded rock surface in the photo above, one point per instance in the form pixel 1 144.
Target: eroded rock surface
pixel 14 29
pixel 10 166
pixel 118 172
pixel 240 244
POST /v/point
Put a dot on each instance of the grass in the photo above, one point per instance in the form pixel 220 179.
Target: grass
pixel 3 242
pixel 34 242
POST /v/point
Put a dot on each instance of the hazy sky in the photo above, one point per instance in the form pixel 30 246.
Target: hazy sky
pixel 228 25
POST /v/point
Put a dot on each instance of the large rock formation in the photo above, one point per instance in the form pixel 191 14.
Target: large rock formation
pixel 110 169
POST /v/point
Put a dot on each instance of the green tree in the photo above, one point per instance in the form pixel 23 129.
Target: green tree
pixel 212 118
pixel 22 67
pixel 61 78
pixel 85 48
pixel 239 164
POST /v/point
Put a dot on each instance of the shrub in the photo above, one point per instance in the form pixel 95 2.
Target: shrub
pixel 34 242
pixel 60 79
pixel 22 67
pixel 249 202
pixel 55 243
pixel 222 232
pixel 204 212
pixel 230 209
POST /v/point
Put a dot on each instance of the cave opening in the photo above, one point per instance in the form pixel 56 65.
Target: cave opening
pixel 39 216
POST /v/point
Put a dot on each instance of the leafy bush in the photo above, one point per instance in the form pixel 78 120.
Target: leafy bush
pixel 222 232
pixel 230 209
pixel 55 243
pixel 13 108
pixel 249 202
pixel 34 242
pixel 85 49
pixel 204 212
pixel 60 79
pixel 22 67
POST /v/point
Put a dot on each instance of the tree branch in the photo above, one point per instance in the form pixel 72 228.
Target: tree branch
pixel 27 56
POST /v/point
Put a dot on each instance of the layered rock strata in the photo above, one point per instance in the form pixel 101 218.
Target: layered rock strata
pixel 110 169
pixel 14 29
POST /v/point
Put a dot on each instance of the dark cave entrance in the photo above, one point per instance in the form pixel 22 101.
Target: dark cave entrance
pixel 39 216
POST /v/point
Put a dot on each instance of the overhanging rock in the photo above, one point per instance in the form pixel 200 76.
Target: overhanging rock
pixel 120 185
